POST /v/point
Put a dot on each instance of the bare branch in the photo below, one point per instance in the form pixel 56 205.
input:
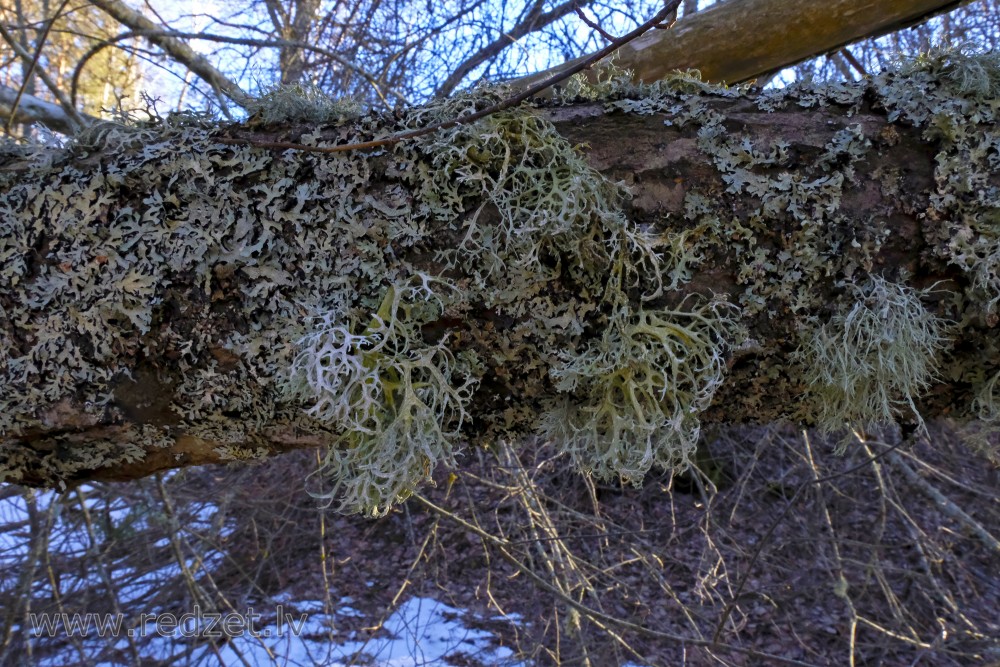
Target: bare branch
pixel 225 39
pixel 472 117
pixel 533 21
pixel 65 105
pixel 176 49
pixel 30 109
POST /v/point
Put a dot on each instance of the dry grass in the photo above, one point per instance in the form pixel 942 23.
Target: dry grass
pixel 794 555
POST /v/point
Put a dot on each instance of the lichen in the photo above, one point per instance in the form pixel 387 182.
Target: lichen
pixel 300 103
pixel 399 402
pixel 632 399
pixel 953 95
pixel 986 404
pixel 874 357
pixel 153 275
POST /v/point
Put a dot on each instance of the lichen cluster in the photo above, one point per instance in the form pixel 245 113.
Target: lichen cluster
pixel 638 390
pixel 277 286
pixel 955 96
pixel 398 401
pixel 870 361
pixel 154 275
pixel 804 200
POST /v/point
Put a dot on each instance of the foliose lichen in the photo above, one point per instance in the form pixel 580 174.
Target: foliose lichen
pixel 954 94
pixel 327 292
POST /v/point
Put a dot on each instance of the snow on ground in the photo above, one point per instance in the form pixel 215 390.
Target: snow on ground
pixel 419 632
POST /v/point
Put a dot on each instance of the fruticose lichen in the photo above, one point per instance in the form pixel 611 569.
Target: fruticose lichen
pixel 399 401
pixel 872 359
pixel 300 103
pixel 637 392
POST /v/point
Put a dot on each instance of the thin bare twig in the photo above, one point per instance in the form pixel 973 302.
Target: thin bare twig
pixel 593 25
pixel 501 546
pixel 225 39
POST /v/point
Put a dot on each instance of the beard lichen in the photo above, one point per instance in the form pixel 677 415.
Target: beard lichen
pixel 875 356
pixel 399 402
pixel 631 400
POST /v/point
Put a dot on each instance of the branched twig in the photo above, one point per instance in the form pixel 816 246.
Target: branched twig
pixel 946 505
pixel 178 50
pixel 501 546
pixel 507 103
pixel 849 57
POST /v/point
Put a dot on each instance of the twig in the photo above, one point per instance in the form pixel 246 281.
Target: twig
pixel 507 103
pixel 501 546
pixel 849 57
pixel 593 25
pixel 946 505
pixel 225 39
pixel 841 587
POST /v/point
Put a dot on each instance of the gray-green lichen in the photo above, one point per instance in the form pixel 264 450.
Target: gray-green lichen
pixel 399 400
pixel 870 361
pixel 637 391
pixel 955 96
pixel 300 103
pixel 157 276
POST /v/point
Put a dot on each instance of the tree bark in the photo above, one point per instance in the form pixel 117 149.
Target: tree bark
pixel 158 283
pixel 739 41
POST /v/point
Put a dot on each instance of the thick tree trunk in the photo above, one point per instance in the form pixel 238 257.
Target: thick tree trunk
pixel 171 300
pixel 738 41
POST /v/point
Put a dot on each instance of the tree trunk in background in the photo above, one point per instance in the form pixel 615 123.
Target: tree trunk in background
pixel 157 282
pixel 741 40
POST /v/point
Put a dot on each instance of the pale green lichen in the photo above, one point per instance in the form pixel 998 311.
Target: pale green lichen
pixel 537 200
pixel 875 356
pixel 400 402
pixel 237 453
pixel 965 69
pixel 634 397
pixel 984 435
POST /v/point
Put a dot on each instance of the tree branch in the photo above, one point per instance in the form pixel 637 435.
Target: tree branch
pixel 30 110
pixel 42 109
pixel 225 39
pixel 535 20
pixel 169 298
pixel 737 41
pixel 175 48
pixel 467 119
